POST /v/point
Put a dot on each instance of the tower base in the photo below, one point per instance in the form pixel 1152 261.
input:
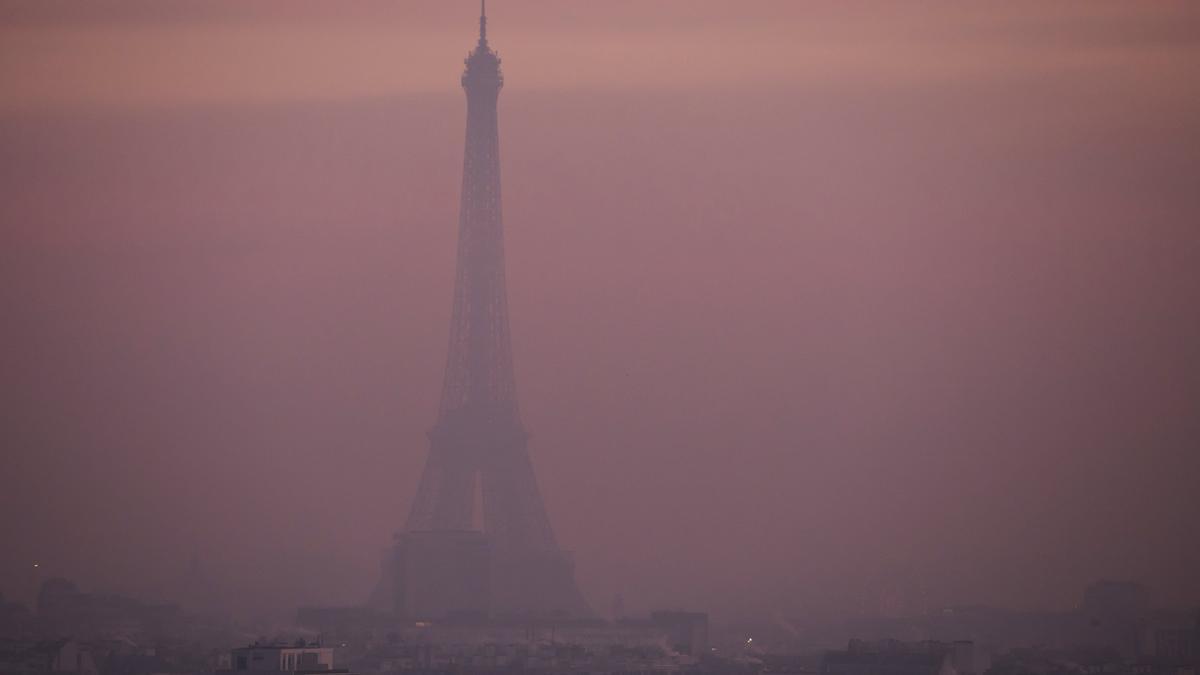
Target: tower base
pixel 442 574
pixel 536 583
pixel 437 575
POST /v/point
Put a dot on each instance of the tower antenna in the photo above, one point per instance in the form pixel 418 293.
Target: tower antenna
pixel 483 22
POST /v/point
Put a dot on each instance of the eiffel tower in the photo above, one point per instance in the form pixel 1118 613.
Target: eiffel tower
pixel 478 459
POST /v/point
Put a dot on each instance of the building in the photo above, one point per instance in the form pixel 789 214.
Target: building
pixel 62 609
pixel 687 632
pixel 1172 640
pixel 1113 613
pixel 893 657
pixel 47 656
pixel 300 657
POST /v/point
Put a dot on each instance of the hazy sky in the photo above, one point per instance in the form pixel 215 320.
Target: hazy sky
pixel 809 301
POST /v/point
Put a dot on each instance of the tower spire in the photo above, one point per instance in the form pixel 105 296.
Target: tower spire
pixel 483 22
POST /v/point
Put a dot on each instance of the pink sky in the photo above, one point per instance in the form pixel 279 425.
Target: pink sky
pixel 807 298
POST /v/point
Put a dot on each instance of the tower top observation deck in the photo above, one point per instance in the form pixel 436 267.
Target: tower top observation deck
pixel 483 64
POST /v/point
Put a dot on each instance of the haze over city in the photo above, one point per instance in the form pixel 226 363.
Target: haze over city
pixel 811 303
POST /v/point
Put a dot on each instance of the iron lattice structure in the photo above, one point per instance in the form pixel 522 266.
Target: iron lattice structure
pixel 479 443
